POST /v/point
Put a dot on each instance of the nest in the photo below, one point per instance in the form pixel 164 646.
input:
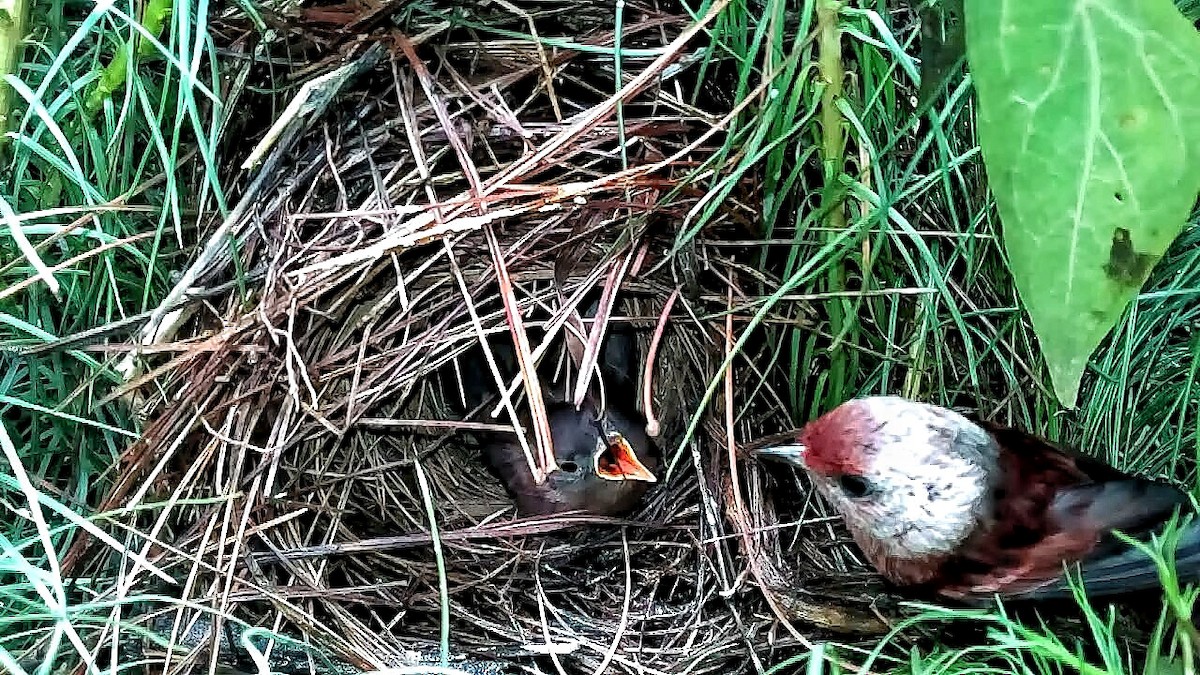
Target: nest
pixel 311 475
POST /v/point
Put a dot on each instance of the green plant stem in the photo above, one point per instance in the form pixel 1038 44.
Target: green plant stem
pixel 12 33
pixel 833 149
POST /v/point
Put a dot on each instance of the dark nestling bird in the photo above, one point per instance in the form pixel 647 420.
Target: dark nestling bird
pixel 606 461
pixel 969 510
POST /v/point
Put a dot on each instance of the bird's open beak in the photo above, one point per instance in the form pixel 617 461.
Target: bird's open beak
pixel 792 454
pixel 618 461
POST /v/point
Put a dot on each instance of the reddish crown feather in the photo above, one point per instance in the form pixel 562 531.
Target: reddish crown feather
pixel 834 442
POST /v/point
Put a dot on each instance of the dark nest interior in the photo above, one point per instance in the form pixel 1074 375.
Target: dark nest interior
pixel 302 440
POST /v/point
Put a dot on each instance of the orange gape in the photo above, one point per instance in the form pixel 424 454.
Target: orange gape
pixel 618 461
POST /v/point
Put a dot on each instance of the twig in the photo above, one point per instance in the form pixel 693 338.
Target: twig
pixel 652 425
pixel 545 463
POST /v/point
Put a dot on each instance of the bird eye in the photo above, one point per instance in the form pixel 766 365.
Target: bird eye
pixel 569 467
pixel 854 486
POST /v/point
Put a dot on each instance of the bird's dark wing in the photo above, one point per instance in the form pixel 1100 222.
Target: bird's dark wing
pixel 1133 506
pixel 1019 546
pixel 1054 506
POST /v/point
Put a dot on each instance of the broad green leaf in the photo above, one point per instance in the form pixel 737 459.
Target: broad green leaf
pixel 1089 122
